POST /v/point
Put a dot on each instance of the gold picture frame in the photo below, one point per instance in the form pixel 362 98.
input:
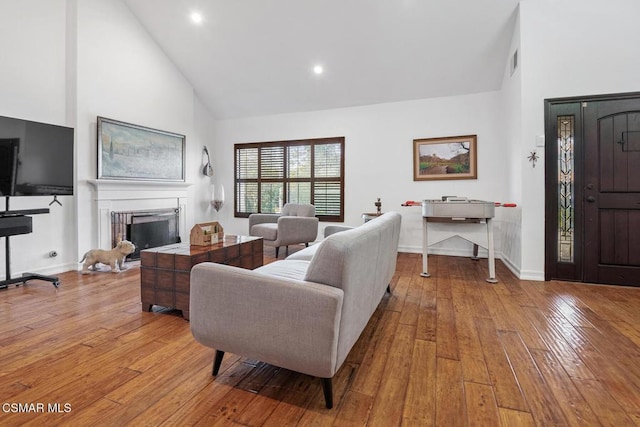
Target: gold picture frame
pixel 452 157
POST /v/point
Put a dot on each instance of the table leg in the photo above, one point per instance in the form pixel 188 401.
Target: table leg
pixel 475 253
pixel 425 244
pixel 492 258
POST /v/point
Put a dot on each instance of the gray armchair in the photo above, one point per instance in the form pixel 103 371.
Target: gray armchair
pixel 296 224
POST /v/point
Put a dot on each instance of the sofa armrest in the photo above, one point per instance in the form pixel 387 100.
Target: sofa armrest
pixel 261 218
pixel 284 322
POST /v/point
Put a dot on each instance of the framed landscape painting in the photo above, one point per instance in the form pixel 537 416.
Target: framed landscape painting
pixel 452 157
pixel 128 151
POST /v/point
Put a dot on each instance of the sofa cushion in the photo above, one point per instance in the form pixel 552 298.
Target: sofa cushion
pixel 287 269
pixel 268 231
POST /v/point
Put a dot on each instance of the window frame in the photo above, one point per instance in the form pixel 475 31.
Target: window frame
pixel 285 179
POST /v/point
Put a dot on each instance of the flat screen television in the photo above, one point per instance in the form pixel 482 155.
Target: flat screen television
pixel 36 159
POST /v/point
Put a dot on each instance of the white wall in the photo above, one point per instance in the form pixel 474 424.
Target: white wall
pixel 510 124
pixel 201 191
pixel 567 49
pixel 67 62
pixel 33 81
pixel 123 75
pixel 379 153
pixel 32 76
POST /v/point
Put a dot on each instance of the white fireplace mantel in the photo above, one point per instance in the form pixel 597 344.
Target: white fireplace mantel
pixel 116 189
pixel 112 195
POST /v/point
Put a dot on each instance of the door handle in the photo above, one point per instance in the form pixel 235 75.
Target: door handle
pixel 591 199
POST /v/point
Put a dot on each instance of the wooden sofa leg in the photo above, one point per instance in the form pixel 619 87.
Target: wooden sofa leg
pixel 327 388
pixel 277 250
pixel 306 245
pixel 217 362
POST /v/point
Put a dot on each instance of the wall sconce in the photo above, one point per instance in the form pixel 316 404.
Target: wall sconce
pixel 207 170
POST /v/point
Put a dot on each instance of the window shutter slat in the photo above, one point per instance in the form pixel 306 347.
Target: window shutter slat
pixel 327 160
pixel 271 196
pixel 327 198
pixel 299 192
pixel 299 161
pixel 247 163
pixel 272 162
pixel 247 197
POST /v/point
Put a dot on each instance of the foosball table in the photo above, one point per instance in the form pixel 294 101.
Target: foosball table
pixel 459 212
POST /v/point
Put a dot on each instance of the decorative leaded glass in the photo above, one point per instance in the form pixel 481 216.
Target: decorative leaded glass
pixel 565 188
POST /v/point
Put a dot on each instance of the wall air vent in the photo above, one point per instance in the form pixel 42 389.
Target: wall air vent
pixel 514 62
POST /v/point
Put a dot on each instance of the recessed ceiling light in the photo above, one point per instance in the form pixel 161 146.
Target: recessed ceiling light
pixel 196 17
pixel 318 69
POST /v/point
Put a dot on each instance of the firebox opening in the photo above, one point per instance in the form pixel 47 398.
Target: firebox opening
pixel 146 229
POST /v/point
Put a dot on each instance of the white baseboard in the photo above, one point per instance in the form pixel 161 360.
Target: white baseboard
pixel 532 275
pixel 50 270
pixel 511 266
pixel 410 249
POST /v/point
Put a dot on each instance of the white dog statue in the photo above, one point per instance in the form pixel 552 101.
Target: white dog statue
pixel 114 257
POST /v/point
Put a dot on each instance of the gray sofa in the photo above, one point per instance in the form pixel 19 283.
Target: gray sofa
pixel 301 314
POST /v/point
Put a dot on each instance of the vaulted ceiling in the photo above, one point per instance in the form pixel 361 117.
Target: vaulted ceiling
pixel 256 57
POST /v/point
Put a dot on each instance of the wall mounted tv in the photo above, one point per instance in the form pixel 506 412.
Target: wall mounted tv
pixel 36 159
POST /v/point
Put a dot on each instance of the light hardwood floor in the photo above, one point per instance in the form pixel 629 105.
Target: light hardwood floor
pixel 451 350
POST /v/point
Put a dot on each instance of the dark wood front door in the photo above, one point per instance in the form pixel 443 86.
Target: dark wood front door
pixel 612 191
pixel 593 214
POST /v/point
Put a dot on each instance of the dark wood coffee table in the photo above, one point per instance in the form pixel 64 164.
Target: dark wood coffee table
pixel 165 272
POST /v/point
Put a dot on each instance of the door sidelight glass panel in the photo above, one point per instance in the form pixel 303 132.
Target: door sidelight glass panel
pixel 566 193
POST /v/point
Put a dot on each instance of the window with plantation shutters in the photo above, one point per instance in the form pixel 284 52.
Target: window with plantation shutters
pixel 270 174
